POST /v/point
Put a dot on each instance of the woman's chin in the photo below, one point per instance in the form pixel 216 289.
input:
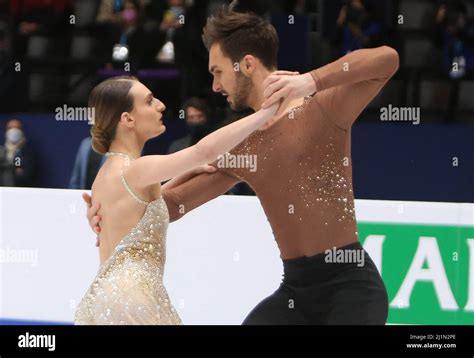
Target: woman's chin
pixel 161 130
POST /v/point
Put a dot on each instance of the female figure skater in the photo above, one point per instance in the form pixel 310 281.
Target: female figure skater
pixel 128 288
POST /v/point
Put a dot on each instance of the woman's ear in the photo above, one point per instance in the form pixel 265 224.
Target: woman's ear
pixel 127 120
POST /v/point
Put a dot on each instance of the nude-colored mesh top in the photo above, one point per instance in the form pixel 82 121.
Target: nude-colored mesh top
pixel 303 173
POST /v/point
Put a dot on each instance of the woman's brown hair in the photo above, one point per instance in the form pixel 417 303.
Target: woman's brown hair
pixel 109 99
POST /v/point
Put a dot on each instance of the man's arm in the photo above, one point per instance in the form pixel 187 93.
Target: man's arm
pixel 344 87
pixel 206 168
pixel 180 198
pixel 198 190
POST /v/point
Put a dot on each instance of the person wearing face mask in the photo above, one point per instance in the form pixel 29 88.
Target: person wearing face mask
pixel 129 25
pixel 19 163
pixel 121 30
pixel 197 122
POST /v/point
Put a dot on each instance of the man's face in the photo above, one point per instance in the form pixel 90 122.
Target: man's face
pixel 230 83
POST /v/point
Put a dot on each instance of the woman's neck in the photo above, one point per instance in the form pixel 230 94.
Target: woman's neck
pixel 132 150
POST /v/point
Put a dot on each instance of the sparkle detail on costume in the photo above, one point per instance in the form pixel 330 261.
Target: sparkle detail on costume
pixel 128 288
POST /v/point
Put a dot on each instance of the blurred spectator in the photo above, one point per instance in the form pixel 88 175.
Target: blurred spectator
pixel 454 34
pixel 262 7
pixel 197 122
pixel 86 166
pixel 6 173
pixel 172 16
pixel 7 76
pixel 128 31
pixel 172 20
pixel 356 27
pixel 36 17
pixel 19 159
pixel 191 56
pixel 4 10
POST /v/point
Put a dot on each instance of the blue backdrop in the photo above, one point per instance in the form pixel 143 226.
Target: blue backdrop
pixel 396 161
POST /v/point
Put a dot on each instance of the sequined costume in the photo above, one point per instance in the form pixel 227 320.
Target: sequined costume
pixel 128 288
pixel 303 179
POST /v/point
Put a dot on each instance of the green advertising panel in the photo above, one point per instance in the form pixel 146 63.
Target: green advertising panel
pixel 428 271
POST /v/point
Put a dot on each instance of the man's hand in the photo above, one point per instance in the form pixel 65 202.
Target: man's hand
pixel 92 217
pixel 286 87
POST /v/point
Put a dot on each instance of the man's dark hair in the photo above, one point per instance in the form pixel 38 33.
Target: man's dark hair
pixel 240 34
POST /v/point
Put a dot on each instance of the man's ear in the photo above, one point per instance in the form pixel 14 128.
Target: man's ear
pixel 247 65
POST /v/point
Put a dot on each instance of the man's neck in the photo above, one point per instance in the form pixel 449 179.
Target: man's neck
pixel 256 97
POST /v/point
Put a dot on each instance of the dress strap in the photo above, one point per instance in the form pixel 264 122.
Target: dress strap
pixel 130 191
pixel 124 181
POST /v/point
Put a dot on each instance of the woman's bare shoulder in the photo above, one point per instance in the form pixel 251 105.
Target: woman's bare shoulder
pixel 106 182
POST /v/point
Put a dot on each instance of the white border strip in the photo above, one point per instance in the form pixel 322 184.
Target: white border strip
pixel 415 212
pixel 388 211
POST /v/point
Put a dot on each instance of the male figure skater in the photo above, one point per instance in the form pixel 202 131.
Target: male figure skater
pixel 304 175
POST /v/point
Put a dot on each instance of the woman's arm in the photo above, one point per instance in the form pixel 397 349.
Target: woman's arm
pixel 153 169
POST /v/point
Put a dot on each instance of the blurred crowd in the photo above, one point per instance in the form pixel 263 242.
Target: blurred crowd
pixel 83 42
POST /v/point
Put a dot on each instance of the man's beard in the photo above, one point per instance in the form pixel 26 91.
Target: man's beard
pixel 243 85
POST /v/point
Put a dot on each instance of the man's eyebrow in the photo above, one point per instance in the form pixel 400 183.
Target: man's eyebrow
pixel 211 71
pixel 149 95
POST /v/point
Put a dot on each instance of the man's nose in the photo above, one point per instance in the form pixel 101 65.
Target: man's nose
pixel 216 86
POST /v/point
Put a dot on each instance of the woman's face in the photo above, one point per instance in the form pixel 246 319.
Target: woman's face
pixel 147 112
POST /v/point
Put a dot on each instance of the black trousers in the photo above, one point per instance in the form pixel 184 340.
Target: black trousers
pixel 341 289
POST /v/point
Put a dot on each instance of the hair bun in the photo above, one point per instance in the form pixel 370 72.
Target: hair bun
pixel 100 140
